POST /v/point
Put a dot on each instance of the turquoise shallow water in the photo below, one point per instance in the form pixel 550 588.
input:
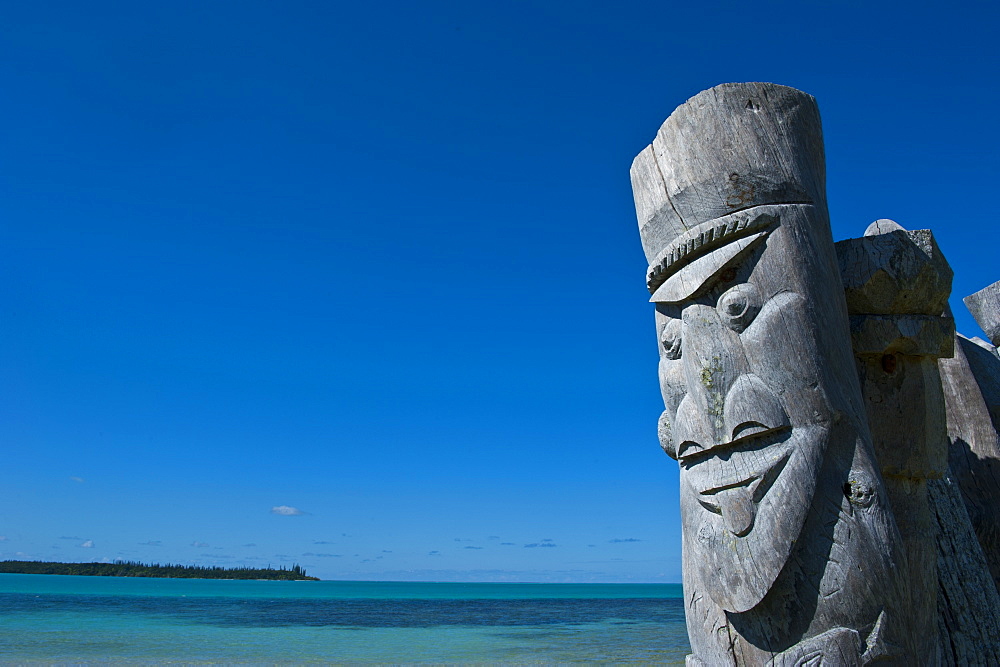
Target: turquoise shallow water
pixel 59 619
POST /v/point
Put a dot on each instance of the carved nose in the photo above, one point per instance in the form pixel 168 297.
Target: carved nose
pixel 751 408
pixel 725 402
pixel 713 360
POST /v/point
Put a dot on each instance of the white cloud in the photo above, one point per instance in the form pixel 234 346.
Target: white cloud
pixel 87 544
pixel 78 480
pixel 201 545
pixel 285 510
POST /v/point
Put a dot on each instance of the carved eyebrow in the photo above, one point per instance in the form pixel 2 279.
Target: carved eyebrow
pixel 694 277
pixel 706 237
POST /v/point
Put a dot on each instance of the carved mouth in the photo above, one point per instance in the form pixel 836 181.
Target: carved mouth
pixel 748 436
pixel 756 486
pixel 735 498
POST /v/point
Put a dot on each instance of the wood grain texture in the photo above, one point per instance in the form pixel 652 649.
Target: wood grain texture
pixel 791 553
pixel 898 272
pixel 968 603
pixel 985 307
pixel 971 381
pixel 896 285
pixel 729 148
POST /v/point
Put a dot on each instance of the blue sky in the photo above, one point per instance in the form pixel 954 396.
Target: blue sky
pixel 379 265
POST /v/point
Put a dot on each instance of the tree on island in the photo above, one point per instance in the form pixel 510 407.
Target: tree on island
pixel 122 568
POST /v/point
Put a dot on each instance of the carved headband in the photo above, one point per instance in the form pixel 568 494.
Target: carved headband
pixel 705 238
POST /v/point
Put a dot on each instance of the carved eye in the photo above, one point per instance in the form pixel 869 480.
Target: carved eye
pixel 670 339
pixel 738 306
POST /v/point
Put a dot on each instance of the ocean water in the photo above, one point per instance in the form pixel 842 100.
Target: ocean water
pixel 48 619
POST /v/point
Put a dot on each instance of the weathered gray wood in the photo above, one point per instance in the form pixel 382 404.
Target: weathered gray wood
pixel 791 554
pixel 896 272
pixel 971 383
pixel 897 284
pixel 968 604
pixel 985 307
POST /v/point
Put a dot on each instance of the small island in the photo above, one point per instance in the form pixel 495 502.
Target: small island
pixel 121 568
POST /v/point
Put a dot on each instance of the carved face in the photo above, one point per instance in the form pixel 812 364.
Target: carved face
pixel 747 409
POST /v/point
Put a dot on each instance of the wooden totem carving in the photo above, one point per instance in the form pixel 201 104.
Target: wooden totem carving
pixel 972 389
pixel 791 553
pixel 896 284
pixel 965 501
